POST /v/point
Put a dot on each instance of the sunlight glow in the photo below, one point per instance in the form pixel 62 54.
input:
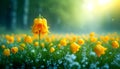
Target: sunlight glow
pixel 104 2
pixel 90 6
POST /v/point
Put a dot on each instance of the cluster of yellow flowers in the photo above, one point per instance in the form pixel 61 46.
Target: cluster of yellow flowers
pixel 74 41
pixel 6 51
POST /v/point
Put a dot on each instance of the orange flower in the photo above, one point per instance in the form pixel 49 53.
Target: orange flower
pixel 28 39
pixel 14 50
pixel 40 26
pixel 81 41
pixel 6 52
pixel 115 44
pixel 74 47
pixel 99 50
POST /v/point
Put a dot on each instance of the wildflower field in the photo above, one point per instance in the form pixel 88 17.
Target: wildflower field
pixel 59 51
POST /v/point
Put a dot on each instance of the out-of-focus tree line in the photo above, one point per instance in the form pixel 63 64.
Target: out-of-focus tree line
pixel 61 14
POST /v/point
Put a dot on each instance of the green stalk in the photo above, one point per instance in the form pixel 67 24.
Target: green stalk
pixel 39 38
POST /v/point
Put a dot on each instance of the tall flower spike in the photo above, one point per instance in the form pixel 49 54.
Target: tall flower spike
pixel 40 26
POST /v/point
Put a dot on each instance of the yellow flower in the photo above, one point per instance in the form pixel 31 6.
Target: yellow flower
pixel 43 45
pixel 74 47
pixel 40 26
pixel 10 39
pixel 14 50
pixel 81 41
pixel 52 49
pixel 92 34
pixel 7 37
pixel 93 39
pixel 6 52
pixel 48 39
pixel 18 39
pixel 51 44
pixel 115 44
pixel 63 42
pixel 59 46
pixel 98 42
pixel 28 39
pixel 105 39
pixel 36 43
pixel 99 50
pixel 3 46
pixel 22 46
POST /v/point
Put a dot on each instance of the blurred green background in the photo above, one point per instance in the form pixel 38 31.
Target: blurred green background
pixel 63 15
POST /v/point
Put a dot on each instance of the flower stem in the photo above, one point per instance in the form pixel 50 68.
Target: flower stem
pixel 39 38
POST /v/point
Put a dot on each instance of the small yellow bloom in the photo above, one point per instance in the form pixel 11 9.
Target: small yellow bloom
pixel 74 47
pixel 10 39
pixel 14 50
pixel 36 43
pixel 43 45
pixel 22 44
pixel 48 39
pixel 115 44
pixel 92 34
pixel 81 41
pixel 6 52
pixel 7 37
pixel 28 39
pixel 21 48
pixel 93 39
pixel 98 42
pixel 105 39
pixel 59 46
pixel 99 50
pixel 51 44
pixel 3 46
pixel 63 42
pixel 52 49
pixel 18 39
